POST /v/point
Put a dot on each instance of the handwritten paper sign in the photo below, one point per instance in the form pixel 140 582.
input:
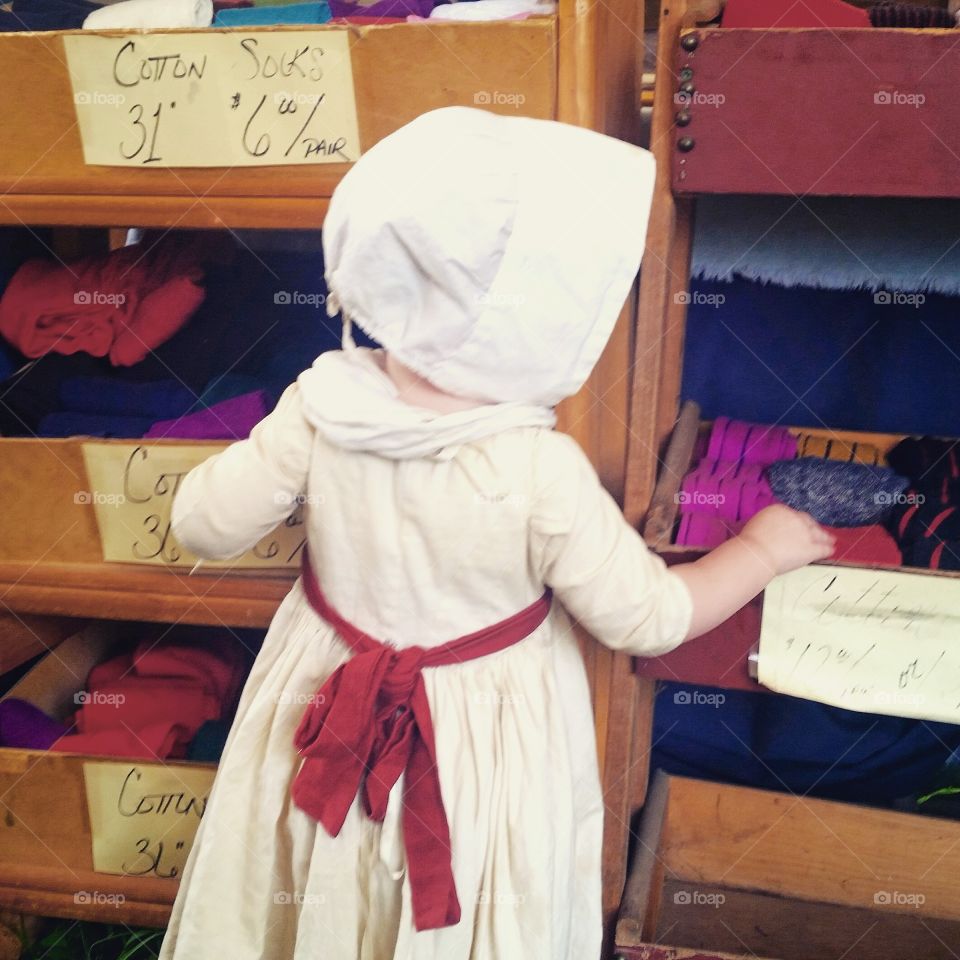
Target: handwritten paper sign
pixel 214 99
pixel 132 486
pixel 869 640
pixel 143 816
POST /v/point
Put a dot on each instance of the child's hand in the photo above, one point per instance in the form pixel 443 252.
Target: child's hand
pixel 787 538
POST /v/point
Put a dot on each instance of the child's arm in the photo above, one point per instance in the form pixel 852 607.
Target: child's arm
pixel 623 593
pixel 235 498
pixel 776 540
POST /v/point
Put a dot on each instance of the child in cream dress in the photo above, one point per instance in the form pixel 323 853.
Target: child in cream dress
pixel 490 257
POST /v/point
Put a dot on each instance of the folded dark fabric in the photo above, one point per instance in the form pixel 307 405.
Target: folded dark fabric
pixel 926 459
pixel 164 399
pixel 910 16
pixel 69 424
pixel 382 8
pixel 207 746
pixel 932 553
pixel 836 493
pixel 44 15
pixel 26 727
pixel 917 518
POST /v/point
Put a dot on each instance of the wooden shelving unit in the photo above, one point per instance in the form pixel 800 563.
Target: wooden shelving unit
pixel 581 66
pixel 794 121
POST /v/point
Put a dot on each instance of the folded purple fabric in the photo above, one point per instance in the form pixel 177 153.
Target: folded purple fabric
pixel 232 419
pixel 26 727
pixel 382 8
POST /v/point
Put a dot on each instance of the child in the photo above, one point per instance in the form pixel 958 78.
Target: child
pixel 412 770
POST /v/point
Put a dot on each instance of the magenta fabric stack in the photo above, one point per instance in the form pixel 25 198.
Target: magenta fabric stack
pixel 728 486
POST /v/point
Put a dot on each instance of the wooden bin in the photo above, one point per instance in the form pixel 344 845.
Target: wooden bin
pixel 46 859
pixel 724 871
pixel 720 657
pixel 400 71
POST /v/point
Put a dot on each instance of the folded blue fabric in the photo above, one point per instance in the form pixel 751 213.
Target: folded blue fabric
pixel 834 492
pixel 840 243
pixel 782 743
pixel 158 399
pixel 264 16
pixel 67 424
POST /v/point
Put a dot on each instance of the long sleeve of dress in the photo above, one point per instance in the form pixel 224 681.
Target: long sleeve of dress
pixel 232 500
pixel 596 563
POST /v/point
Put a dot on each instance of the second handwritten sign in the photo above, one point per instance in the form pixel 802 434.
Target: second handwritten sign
pixel 877 641
pixel 132 486
pixel 214 99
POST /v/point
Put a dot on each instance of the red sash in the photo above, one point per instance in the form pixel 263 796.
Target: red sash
pixel 371 722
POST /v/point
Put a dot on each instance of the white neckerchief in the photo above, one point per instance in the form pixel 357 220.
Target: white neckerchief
pixel 351 401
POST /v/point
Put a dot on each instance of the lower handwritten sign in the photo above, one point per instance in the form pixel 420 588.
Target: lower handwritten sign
pixel 143 816
pixel 877 641
pixel 132 486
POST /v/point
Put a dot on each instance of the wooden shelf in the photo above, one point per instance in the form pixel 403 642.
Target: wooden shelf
pixel 400 71
pixel 129 592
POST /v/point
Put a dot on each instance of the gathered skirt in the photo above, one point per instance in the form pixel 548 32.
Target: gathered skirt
pixel 518 772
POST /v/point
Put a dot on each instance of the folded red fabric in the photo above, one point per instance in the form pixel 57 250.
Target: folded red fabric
pixel 122 304
pixel 150 702
pixel 158 741
pixel 789 13
pixel 216 663
pixel 137 702
pixel 870 544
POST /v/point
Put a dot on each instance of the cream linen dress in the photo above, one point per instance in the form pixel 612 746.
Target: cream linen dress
pixel 424 527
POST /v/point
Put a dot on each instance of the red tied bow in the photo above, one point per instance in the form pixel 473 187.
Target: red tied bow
pixel 371 722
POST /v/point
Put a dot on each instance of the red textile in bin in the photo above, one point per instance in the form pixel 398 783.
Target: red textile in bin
pixel 790 13
pixel 719 658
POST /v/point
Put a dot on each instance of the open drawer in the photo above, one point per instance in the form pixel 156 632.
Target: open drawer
pixel 723 870
pixel 89 836
pixel 720 658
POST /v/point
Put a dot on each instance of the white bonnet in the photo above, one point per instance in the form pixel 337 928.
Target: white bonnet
pixel 490 254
